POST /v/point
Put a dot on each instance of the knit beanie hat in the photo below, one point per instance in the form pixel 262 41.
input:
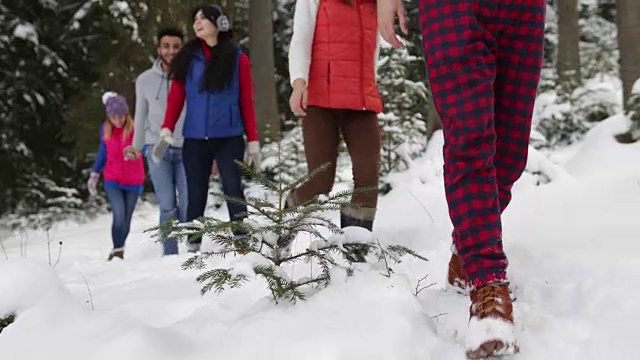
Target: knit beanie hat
pixel 115 104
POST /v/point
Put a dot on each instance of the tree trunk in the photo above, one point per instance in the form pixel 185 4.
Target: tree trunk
pixel 263 69
pixel 568 65
pixel 628 19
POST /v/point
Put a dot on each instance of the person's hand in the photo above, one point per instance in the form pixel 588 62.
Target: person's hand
pixel 298 99
pixel 166 140
pixel 131 153
pixel 92 183
pixel 388 11
pixel 252 156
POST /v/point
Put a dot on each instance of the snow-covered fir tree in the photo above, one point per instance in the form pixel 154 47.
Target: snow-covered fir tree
pixel 402 123
pixel 598 43
pixel 564 119
pixel 285 160
pixel 46 56
pixel 567 111
pixel 266 249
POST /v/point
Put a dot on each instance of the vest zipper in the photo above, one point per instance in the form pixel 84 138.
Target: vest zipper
pixel 358 3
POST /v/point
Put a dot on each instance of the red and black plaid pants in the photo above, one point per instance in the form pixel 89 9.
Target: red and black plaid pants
pixel 483 59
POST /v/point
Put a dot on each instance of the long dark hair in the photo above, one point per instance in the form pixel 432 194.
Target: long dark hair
pixel 221 65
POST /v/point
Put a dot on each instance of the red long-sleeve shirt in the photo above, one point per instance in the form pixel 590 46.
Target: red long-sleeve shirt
pixel 177 95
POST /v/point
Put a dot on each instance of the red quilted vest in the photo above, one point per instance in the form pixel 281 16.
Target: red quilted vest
pixel 342 72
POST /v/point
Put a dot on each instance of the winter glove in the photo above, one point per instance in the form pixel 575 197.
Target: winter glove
pixel 92 183
pixel 252 156
pixel 161 147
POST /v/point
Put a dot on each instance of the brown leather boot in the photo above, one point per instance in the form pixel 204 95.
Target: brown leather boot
pixel 456 276
pixel 116 253
pixel 491 331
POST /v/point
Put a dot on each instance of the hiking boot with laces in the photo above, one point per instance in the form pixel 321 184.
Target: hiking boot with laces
pixel 456 277
pixel 491 330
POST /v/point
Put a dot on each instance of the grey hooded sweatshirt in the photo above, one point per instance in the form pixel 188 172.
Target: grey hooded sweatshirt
pixel 152 89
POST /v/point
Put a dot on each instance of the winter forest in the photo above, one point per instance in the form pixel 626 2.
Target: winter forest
pixel 573 228
pixel 60 57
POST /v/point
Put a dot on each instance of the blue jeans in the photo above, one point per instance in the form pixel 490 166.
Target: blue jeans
pixel 122 202
pixel 170 185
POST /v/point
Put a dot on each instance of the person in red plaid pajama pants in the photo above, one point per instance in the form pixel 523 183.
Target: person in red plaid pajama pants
pixel 484 59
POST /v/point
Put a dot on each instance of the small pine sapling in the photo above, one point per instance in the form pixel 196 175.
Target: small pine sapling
pixel 268 231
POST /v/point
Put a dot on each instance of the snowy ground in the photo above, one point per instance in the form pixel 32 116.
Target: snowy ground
pixel 574 260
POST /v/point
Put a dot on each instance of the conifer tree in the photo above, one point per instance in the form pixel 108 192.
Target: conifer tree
pixel 265 248
pixel 402 123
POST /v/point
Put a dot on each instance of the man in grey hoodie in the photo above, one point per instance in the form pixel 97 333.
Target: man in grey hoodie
pixel 167 173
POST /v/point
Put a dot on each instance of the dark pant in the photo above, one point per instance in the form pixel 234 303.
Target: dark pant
pixel 360 130
pixel 198 156
pixel 122 202
pixel 484 60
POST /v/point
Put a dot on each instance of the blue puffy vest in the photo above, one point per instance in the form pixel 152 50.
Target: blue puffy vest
pixel 211 114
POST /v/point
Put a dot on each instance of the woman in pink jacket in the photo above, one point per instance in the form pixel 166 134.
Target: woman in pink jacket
pixel 123 179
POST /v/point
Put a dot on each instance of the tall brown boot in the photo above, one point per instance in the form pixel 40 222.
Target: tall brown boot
pixel 491 331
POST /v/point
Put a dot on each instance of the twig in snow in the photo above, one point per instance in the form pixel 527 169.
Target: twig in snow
pixel 384 257
pixel 89 291
pixel 4 251
pixel 49 239
pixel 23 244
pixel 423 207
pixel 437 316
pixel 59 254
pixel 48 245
pixel 419 289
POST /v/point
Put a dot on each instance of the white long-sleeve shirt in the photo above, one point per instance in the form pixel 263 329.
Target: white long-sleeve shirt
pixel 304 27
